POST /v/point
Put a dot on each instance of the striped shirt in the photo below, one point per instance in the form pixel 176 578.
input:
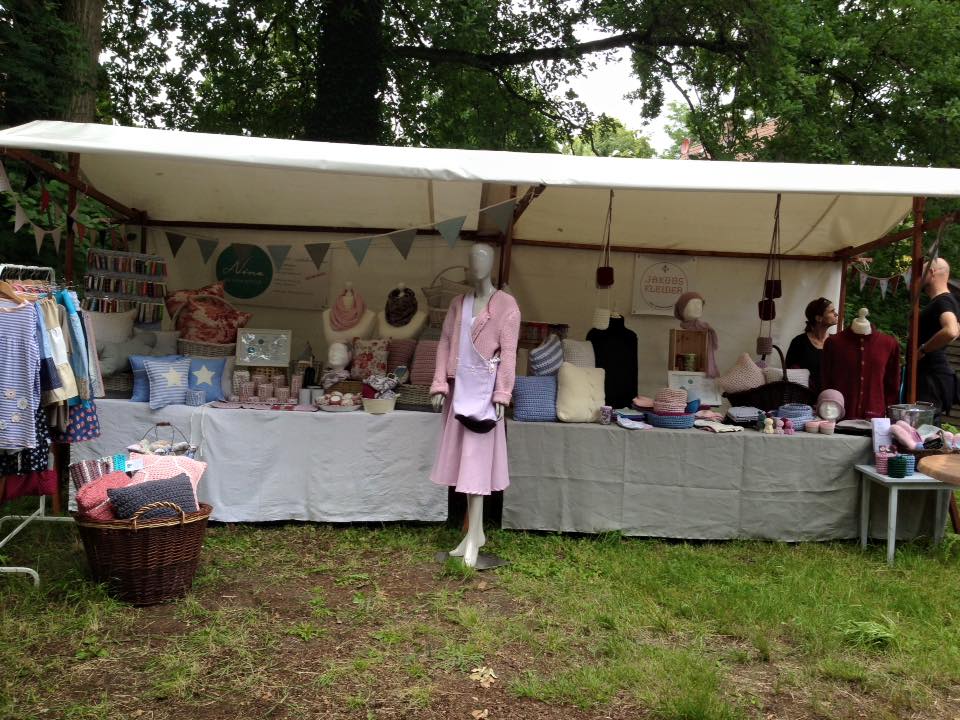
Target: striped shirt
pixel 19 376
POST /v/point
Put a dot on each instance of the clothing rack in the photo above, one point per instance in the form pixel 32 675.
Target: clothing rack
pixel 44 274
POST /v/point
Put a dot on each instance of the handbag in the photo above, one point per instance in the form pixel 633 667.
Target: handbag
pixel 604 268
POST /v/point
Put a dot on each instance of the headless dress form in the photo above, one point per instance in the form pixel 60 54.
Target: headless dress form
pixel 615 350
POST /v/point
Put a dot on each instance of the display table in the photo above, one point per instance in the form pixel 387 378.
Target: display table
pixel 277 465
pixel 693 484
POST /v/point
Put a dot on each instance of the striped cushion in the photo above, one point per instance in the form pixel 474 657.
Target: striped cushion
pixel 424 362
pixel 141 383
pixel 400 352
pixel 547 358
pixel 168 382
pixel 535 399
pixel 579 353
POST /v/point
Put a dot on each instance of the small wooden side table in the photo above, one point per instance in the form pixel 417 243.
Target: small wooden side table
pixel 917 481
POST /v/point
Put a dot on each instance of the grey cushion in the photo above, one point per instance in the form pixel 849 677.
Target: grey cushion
pixel 126 501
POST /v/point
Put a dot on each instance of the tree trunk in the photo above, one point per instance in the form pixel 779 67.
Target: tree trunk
pixel 351 74
pixel 87 17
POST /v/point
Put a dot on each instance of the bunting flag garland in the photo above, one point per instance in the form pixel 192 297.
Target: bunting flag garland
pixel 5 185
pixel 279 254
pixel 38 235
pixel 403 239
pixel 500 215
pixel 55 234
pixel 317 252
pixel 176 242
pixel 863 279
pixel 883 282
pixel 19 218
pixel 358 248
pixel 450 230
pixel 907 275
pixel 206 248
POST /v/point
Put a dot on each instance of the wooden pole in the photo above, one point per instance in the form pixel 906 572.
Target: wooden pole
pixel 71 208
pixel 842 301
pixel 919 204
pixel 928 225
pixel 506 246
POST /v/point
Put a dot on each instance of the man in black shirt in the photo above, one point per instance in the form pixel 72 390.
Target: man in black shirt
pixel 936 381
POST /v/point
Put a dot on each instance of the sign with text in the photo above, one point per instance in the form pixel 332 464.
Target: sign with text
pixel 658 280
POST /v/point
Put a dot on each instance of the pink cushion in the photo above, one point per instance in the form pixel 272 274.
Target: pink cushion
pixel 210 319
pixel 400 352
pixel 176 300
pixel 424 362
pixel 92 500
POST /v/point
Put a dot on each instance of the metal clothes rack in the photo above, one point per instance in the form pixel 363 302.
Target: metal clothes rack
pixel 44 274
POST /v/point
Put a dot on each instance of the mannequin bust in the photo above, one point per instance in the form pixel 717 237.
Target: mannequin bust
pixel 348 318
pixel 407 330
pixel 689 310
pixel 860 324
pixel 693 310
pixel 480 266
pixel 338 356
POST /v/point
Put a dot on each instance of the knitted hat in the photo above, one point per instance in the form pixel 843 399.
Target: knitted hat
pixel 834 396
pixel 670 400
pixel 682 303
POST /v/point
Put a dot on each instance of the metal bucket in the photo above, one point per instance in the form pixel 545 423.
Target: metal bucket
pixel 916 414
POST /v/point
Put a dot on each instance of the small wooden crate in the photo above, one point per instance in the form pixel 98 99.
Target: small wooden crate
pixel 683 342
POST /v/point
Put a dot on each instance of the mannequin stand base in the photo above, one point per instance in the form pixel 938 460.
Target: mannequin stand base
pixel 485 561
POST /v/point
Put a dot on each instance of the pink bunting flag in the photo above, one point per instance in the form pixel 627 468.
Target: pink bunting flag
pixel 38 235
pixel 19 218
pixel 55 234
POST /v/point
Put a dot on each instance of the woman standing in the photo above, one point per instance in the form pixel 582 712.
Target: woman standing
pixel 806 349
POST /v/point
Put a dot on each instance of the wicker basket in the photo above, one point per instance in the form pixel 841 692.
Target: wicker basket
pixel 771 396
pixel 195 348
pixel 121 382
pixel 414 397
pixel 348 386
pixel 146 562
pixel 441 292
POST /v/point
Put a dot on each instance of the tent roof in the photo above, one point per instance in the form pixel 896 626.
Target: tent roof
pixel 668 204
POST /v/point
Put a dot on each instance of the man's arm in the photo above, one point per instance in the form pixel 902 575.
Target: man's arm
pixel 948 332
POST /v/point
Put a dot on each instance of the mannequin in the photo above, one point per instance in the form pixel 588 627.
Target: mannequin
pixel 344 329
pixel 338 357
pixel 688 310
pixel 411 328
pixel 475 461
pixel 615 350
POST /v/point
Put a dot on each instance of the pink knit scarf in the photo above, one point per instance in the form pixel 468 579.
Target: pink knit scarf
pixel 342 318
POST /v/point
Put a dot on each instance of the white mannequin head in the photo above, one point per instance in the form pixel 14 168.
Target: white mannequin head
pixel 481 261
pixel 338 356
pixel 693 310
pixel 348 295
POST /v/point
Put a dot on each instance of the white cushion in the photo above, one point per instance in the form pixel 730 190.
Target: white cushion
pixel 579 353
pixel 579 393
pixel 164 342
pixel 112 327
pixel 745 375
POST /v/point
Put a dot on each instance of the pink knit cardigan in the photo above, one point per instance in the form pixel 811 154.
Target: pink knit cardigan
pixel 495 331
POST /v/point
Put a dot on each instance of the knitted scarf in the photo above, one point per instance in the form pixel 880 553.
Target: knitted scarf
pixel 342 318
pixel 401 306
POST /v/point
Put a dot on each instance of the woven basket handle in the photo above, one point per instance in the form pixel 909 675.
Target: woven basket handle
pixel 447 269
pixel 155 505
pixel 174 431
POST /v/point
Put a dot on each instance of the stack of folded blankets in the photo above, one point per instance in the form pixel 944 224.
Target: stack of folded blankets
pixel 745 415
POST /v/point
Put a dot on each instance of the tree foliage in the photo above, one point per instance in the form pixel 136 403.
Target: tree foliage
pixel 608 137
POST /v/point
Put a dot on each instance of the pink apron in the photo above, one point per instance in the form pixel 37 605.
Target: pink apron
pixel 475 376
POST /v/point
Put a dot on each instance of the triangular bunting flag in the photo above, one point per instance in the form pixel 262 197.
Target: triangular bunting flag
pixel 206 248
pixel 863 279
pixel 55 234
pixel 81 230
pixel 500 215
pixel 4 180
pixel 450 229
pixel 176 242
pixel 894 283
pixel 317 252
pixel 906 277
pixel 38 234
pixel 279 254
pixel 243 251
pixel 358 248
pixel 19 218
pixel 883 286
pixel 403 240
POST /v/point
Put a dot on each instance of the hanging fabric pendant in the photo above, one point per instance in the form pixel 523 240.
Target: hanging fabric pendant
pixel 772 286
pixel 604 268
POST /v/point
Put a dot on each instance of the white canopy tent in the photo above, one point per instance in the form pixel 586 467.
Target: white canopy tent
pixel 180 177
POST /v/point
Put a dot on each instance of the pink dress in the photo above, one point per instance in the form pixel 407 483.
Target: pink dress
pixel 474 463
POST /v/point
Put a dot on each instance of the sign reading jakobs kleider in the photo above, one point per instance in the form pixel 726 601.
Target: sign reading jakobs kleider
pixel 658 280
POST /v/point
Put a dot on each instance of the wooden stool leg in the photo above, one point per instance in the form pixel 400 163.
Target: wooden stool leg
pixel 954 513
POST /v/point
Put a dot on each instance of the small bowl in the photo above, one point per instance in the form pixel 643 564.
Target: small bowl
pixel 813 426
pixel 379 406
pixel 827 427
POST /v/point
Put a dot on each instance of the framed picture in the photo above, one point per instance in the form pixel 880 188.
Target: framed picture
pixel 263 348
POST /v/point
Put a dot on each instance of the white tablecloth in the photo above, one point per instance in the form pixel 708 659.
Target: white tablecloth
pixel 271 465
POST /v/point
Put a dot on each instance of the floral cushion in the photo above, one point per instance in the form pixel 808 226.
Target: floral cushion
pixel 177 300
pixel 209 319
pixel 369 358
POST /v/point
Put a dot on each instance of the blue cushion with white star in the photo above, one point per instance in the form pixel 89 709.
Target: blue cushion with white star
pixel 207 374
pixel 168 382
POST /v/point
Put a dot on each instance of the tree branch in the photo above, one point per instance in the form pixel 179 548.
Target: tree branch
pixel 491 61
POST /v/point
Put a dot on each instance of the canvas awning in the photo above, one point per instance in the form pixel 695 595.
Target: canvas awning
pixel 666 204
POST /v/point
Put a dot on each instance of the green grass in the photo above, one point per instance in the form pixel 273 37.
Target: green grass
pixel 302 621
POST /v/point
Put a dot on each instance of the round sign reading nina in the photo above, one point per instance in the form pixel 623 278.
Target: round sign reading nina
pixel 246 271
pixel 661 284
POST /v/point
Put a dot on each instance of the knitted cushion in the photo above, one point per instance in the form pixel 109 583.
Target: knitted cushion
pixel 127 500
pixel 535 399
pixel 579 353
pixel 92 499
pixel 141 383
pixel 424 362
pixel 579 393
pixel 547 358
pixel 745 375
pixel 168 382
pixel 400 352
pixel 161 467
pixel 369 358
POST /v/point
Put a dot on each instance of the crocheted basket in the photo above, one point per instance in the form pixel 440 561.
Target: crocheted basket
pixel 672 422
pixel 772 395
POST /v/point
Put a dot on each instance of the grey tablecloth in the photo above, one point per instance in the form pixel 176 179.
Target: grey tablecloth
pixel 694 484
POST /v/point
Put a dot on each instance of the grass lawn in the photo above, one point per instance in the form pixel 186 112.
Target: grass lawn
pixel 315 621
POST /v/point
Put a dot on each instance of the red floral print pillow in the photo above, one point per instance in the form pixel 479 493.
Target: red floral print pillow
pixel 177 300
pixel 369 358
pixel 211 320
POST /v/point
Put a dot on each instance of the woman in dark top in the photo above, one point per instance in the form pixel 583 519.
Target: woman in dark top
pixel 806 349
